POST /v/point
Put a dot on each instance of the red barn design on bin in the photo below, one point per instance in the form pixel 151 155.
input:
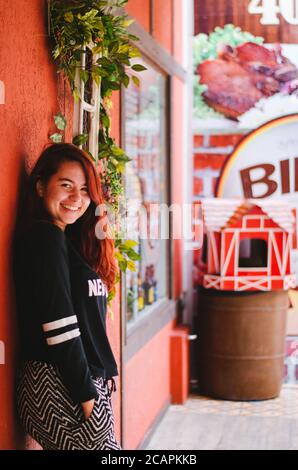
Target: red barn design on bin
pixel 247 244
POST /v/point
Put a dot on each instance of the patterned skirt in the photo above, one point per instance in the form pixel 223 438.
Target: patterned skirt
pixel 49 415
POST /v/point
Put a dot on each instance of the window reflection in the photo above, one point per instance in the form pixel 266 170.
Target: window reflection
pixel 145 182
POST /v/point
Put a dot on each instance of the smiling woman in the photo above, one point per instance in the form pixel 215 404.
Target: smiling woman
pixel 66 195
pixel 63 393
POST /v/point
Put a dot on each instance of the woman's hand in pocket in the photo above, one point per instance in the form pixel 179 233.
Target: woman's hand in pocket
pixel 87 407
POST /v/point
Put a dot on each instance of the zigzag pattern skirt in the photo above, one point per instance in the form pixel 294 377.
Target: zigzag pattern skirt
pixel 49 415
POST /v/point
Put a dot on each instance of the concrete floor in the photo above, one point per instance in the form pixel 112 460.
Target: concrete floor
pixel 206 424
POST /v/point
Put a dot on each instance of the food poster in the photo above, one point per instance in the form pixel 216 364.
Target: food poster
pixel 245 63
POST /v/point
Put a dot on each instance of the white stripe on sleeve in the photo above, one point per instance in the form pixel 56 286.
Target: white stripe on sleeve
pixel 63 337
pixel 54 325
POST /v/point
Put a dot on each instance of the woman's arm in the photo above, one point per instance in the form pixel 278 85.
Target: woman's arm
pixel 87 407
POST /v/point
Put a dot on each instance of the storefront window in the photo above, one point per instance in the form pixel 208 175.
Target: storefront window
pixel 144 118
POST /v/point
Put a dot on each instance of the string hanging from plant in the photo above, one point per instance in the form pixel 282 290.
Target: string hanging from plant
pixel 79 27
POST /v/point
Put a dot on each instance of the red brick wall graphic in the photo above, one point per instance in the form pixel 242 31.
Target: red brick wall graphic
pixel 210 153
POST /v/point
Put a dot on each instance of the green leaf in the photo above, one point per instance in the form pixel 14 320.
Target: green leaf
pixel 127 22
pixel 123 48
pixel 138 68
pixel 134 52
pixel 133 255
pixel 103 154
pixel 111 296
pixel 119 256
pixel 110 312
pixel 69 17
pixel 113 161
pixel 56 52
pixel 84 75
pixel 57 138
pixel 136 80
pixel 118 151
pixel 76 95
pixel 125 80
pixel 122 158
pixel 97 49
pixel 113 47
pixel 90 155
pixel 113 85
pixel 96 78
pixel 130 243
pixel 131 266
pixel 80 139
pixel 105 120
pixel 60 121
pixel 133 37
pixel 122 265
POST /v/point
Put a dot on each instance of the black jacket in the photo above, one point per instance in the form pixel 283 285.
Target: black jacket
pixel 61 304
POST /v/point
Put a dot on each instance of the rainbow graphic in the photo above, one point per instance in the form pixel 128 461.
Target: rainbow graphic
pixel 245 142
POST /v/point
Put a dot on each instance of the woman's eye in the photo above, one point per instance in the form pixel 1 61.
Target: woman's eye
pixel 66 185
pixel 85 190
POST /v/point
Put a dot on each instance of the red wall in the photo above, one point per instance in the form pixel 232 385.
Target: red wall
pixel 147 387
pixel 30 102
pixel 162 27
pixel 177 105
pixel 113 319
pixel 140 10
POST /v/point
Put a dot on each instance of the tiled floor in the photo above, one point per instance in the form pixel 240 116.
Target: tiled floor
pixel 286 405
pixel 203 423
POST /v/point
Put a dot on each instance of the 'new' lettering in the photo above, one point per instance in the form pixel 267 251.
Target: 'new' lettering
pixel 96 287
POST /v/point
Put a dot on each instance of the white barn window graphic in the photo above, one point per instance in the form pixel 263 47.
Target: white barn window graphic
pixel 253 253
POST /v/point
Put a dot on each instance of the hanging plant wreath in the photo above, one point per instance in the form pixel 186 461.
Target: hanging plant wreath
pixel 79 27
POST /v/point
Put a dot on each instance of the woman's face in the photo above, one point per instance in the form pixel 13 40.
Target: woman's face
pixel 65 196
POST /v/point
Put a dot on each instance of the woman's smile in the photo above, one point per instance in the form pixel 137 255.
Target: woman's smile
pixel 71 208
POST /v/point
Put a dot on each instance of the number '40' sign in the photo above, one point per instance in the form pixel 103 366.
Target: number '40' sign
pixel 270 9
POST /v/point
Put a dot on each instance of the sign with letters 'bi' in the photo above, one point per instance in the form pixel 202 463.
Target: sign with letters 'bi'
pixel 265 165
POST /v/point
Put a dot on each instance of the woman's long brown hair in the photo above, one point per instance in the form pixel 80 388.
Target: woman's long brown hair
pixel 99 254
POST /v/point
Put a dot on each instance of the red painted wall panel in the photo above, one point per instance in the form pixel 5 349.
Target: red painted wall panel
pixel 147 387
pixel 114 320
pixel 140 10
pixel 178 30
pixel 177 180
pixel 30 101
pixel 163 22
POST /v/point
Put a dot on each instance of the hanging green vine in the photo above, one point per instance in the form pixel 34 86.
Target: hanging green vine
pixel 81 27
